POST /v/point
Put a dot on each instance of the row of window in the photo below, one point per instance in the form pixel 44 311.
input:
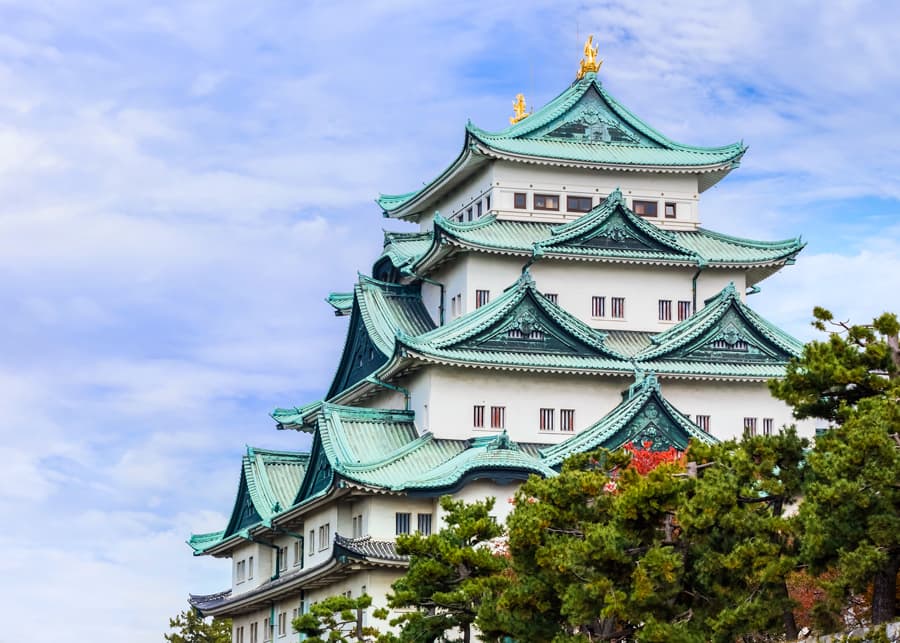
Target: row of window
pixel 750 427
pixel 243 570
pixel 324 538
pixel 403 520
pixel 617 307
pixel 268 629
pixel 476 210
pixel 598 306
pixel 585 203
pixel 665 310
pixel 546 418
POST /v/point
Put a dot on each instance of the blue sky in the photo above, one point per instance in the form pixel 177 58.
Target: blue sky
pixel 181 184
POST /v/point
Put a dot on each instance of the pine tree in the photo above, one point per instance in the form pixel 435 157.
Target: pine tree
pixel 190 627
pixel 339 619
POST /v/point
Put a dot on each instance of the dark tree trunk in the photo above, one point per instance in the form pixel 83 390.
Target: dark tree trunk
pixel 791 633
pixel 467 633
pixel 884 591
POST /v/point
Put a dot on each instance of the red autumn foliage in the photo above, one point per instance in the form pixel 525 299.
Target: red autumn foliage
pixel 644 460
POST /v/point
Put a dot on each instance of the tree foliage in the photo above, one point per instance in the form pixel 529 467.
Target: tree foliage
pixel 190 627
pixel 339 619
pixel 450 573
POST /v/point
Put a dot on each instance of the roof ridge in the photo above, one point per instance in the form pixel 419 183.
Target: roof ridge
pixel 754 243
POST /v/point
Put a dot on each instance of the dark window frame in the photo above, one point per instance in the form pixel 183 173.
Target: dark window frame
pixel 520 200
pixel 674 206
pixel 643 208
pixel 544 197
pixel 578 208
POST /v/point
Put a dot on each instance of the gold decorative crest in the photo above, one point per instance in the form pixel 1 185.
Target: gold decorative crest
pixel 589 63
pixel 518 109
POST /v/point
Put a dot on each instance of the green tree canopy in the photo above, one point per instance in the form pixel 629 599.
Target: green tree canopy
pixel 190 627
pixel 339 619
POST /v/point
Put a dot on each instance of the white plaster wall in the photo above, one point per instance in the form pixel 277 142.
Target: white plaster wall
pixel 464 196
pixel 380 518
pixel 519 177
pixel 728 403
pixel 376 583
pixel 455 390
pixel 481 489
pixel 326 515
pixel 262 567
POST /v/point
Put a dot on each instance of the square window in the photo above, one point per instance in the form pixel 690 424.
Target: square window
pixel 665 310
pixel 567 420
pixel 478 416
pixel 670 210
pixel 684 310
pixel 482 297
pixel 598 306
pixel 520 200
pixel 749 427
pixel 644 208
pixel 402 522
pixel 546 202
pixel 546 419
pixel 618 307
pixel 498 417
pixel 578 203
pixel 424 524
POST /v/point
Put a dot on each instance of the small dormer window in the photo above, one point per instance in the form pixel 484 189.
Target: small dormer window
pixel 644 208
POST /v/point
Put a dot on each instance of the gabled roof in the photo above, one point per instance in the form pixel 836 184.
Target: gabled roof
pixel 519 328
pixel 725 336
pixel 379 311
pixel 269 482
pixel 582 127
pixel 643 416
pixel 609 232
pixel 381 448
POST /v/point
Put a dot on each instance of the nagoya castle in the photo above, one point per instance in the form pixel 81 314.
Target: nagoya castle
pixel 557 294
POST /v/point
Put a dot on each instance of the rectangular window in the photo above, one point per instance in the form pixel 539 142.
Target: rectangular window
pixel 702 421
pixel 268 626
pixel 312 542
pixel 250 568
pixel 552 296
pixel 520 201
pixel 645 208
pixel 469 214
pixel 282 624
pixel 749 427
pixel 478 416
pixel 598 306
pixel 239 634
pixel 254 632
pixel 578 203
pixel 402 522
pixel 684 310
pixel 670 210
pixel 478 207
pixel 358 526
pixel 487 202
pixel 298 552
pixel 618 307
pixel 567 420
pixel 768 426
pixel 282 556
pixel 665 310
pixel 324 536
pixel 498 417
pixel 482 297
pixel 240 571
pixel 424 524
pixel 546 202
pixel 546 419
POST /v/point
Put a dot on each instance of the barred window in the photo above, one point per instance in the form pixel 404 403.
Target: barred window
pixel 498 417
pixel 598 306
pixel 702 421
pixel 567 420
pixel 424 524
pixel 402 522
pixel 552 296
pixel 482 297
pixel 520 200
pixel 618 307
pixel 547 419
pixel 684 310
pixel 768 425
pixel 665 310
pixel 578 203
pixel 478 416
pixel 749 427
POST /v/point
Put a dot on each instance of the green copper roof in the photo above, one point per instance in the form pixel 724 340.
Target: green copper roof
pixel 583 126
pixel 401 248
pixel 342 302
pixel 643 416
pixel 519 328
pixel 609 232
pixel 269 482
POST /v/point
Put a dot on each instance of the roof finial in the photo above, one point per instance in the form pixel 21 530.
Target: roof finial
pixel 519 109
pixel 589 63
